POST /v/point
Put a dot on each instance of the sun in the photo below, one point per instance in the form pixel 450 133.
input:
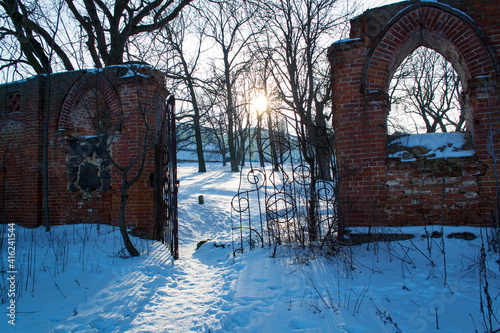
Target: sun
pixel 259 103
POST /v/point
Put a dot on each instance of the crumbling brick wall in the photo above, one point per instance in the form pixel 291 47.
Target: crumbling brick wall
pixel 83 183
pixel 375 189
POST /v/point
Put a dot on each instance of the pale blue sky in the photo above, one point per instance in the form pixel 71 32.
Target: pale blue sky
pixel 376 3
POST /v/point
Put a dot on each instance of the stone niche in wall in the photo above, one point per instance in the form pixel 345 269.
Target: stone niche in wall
pixel 89 164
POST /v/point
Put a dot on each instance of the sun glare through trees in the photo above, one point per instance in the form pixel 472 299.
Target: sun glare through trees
pixel 259 103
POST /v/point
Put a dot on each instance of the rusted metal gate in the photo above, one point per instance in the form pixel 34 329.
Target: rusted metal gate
pixel 166 184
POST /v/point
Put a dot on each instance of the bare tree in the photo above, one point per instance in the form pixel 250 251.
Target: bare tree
pixel 27 31
pixel 183 69
pixel 217 126
pixel 151 124
pixel 262 68
pixel 301 31
pixel 29 36
pixel 425 95
pixel 228 27
pixel 41 59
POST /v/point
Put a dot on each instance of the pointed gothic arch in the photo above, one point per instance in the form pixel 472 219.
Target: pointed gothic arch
pixel 97 84
pixel 445 29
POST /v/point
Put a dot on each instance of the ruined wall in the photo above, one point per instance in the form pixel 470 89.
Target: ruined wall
pixel 376 189
pixel 439 191
pixel 95 124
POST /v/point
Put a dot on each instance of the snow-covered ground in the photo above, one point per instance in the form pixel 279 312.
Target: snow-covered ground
pixel 434 145
pixel 76 279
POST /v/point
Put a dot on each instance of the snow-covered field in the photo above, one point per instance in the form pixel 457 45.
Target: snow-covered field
pixel 76 279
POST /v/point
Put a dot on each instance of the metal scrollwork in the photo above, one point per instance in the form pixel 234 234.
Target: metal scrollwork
pixel 166 210
pixel 284 201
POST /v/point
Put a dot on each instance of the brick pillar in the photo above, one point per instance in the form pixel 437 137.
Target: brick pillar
pixel 484 98
pixel 359 122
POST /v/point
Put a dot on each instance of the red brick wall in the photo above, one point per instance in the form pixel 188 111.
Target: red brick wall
pixel 67 99
pixel 433 191
pixel 376 189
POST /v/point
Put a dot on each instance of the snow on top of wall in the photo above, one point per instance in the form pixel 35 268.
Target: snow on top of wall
pixel 132 69
pixel 432 146
pixel 132 73
pixel 347 40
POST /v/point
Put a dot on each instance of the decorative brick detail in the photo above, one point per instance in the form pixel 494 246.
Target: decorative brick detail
pixel 95 83
pixel 377 190
pixel 14 103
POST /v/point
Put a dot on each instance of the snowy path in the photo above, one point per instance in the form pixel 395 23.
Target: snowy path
pixel 160 294
pixel 208 290
pixel 193 294
pixel 190 298
pixel 384 287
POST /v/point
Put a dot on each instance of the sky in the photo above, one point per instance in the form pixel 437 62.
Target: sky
pixel 376 3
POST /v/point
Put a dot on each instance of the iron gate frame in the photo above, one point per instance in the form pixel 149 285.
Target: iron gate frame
pixel 166 183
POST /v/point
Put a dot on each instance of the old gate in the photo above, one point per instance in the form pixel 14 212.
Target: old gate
pixel 166 184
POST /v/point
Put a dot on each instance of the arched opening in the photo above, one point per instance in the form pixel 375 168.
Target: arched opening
pixel 427 117
pixel 386 184
pixel 425 95
pixel 88 121
pixel 91 107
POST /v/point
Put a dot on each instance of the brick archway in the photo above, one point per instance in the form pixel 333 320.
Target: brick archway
pixel 375 188
pixel 90 81
pixel 442 28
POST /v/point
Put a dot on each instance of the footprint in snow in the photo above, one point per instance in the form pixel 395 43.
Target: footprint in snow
pixel 161 293
pixel 158 280
pixel 261 280
pixel 261 309
pixel 301 324
pixel 179 272
pixel 238 267
pixel 274 287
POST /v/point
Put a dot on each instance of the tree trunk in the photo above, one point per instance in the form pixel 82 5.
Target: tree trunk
pixel 272 141
pixel 196 116
pixel 123 228
pixel 313 226
pixel 230 114
pixel 230 138
pixel 259 141
pixel 322 147
pixel 199 144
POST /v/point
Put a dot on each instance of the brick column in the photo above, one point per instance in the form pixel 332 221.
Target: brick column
pixel 359 122
pixel 484 99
